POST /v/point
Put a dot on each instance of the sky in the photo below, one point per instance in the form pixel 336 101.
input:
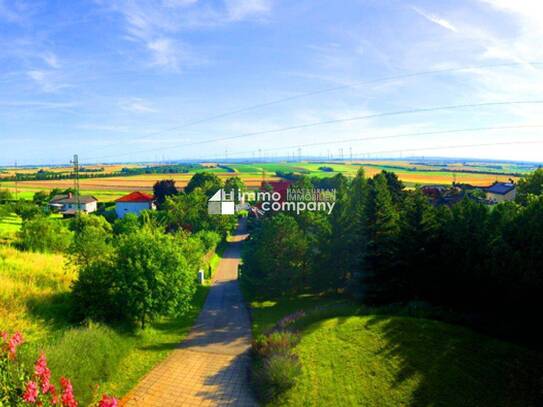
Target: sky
pixel 160 80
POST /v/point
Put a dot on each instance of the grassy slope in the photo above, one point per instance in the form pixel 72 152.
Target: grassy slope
pixel 391 361
pixel 34 299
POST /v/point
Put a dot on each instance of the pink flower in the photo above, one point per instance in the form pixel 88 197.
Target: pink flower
pixel 67 398
pixel 31 392
pixel 4 336
pixel 43 373
pixel 13 343
pixel 107 401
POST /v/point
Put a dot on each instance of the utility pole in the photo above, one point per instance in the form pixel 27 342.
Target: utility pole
pixel 75 162
pixel 16 185
pixel 351 154
pixel 300 154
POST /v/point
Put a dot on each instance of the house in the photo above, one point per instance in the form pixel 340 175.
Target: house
pixel 501 192
pixel 67 204
pixel 135 203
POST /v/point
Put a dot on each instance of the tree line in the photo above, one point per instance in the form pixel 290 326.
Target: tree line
pixel 385 244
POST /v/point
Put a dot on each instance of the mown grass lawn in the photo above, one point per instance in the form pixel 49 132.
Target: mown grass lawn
pixel 34 298
pixel 366 359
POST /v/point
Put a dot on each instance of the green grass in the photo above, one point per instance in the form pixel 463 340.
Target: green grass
pixel 364 358
pixel 9 226
pixel 34 299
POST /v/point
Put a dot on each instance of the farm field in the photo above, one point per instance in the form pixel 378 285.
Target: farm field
pixel 412 174
pixel 34 298
pixel 359 358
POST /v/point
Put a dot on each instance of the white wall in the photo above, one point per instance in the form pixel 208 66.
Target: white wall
pixel 122 208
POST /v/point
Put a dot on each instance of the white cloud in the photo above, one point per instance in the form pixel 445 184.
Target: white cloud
pixel 436 19
pixel 136 105
pixel 242 9
pixel 51 60
pixel 158 27
pixel 47 80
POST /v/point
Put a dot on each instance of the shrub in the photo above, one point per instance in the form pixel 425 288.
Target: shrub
pixel 209 239
pixel 274 375
pixel 44 234
pixel 148 274
pixel 280 342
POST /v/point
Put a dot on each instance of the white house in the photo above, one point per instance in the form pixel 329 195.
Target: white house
pixel 67 204
pixel 135 203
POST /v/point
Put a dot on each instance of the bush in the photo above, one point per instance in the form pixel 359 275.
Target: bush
pixel 147 275
pixel 87 355
pixel 280 342
pixel 44 234
pixel 209 239
pixel 275 375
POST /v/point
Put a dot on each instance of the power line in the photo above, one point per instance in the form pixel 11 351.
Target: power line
pixel 328 122
pixel 393 136
pixel 495 143
pixel 334 89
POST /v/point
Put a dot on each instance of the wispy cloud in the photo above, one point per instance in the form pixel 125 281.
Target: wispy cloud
pixel 242 9
pixel 158 27
pixel 47 80
pixel 136 105
pixel 436 19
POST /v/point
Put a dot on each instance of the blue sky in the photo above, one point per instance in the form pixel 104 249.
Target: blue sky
pixel 116 80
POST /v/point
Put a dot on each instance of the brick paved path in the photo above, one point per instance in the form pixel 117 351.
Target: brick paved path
pixel 210 366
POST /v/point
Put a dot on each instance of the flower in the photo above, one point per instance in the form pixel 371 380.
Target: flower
pixel 31 392
pixel 107 401
pixel 13 343
pixel 67 398
pixel 43 373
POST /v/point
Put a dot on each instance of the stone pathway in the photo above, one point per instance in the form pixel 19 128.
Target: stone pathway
pixel 210 366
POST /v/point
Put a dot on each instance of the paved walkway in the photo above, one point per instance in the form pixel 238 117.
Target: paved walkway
pixel 210 366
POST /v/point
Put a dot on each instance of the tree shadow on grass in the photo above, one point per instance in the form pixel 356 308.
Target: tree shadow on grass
pixel 54 309
pixel 454 366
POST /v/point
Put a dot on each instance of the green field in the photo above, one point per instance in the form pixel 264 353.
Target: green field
pixel 363 358
pixel 9 226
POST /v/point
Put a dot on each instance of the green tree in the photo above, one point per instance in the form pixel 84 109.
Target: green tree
pixel 380 272
pixel 163 189
pixel 531 184
pixel 92 239
pixel 418 248
pixel 277 257
pixel 40 198
pixel 234 184
pixel 128 224
pixel 152 276
pixel 208 182
pixel 27 210
pixel 5 195
pixel 44 234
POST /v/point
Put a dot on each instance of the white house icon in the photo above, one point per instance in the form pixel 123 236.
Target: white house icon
pixel 221 203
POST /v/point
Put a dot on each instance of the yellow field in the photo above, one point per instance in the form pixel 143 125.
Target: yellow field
pixel 25 277
pixel 108 169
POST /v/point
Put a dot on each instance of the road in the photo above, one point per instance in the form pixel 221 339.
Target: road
pixel 210 366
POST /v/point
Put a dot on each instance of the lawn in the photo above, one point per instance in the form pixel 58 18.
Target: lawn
pixel 34 298
pixel 9 226
pixel 364 358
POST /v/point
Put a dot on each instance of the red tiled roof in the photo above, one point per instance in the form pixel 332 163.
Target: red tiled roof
pixel 136 197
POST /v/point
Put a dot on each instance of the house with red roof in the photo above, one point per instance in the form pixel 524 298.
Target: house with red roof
pixel 134 202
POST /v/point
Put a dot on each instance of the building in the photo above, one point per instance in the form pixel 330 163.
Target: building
pixel 501 192
pixel 67 204
pixel 135 203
